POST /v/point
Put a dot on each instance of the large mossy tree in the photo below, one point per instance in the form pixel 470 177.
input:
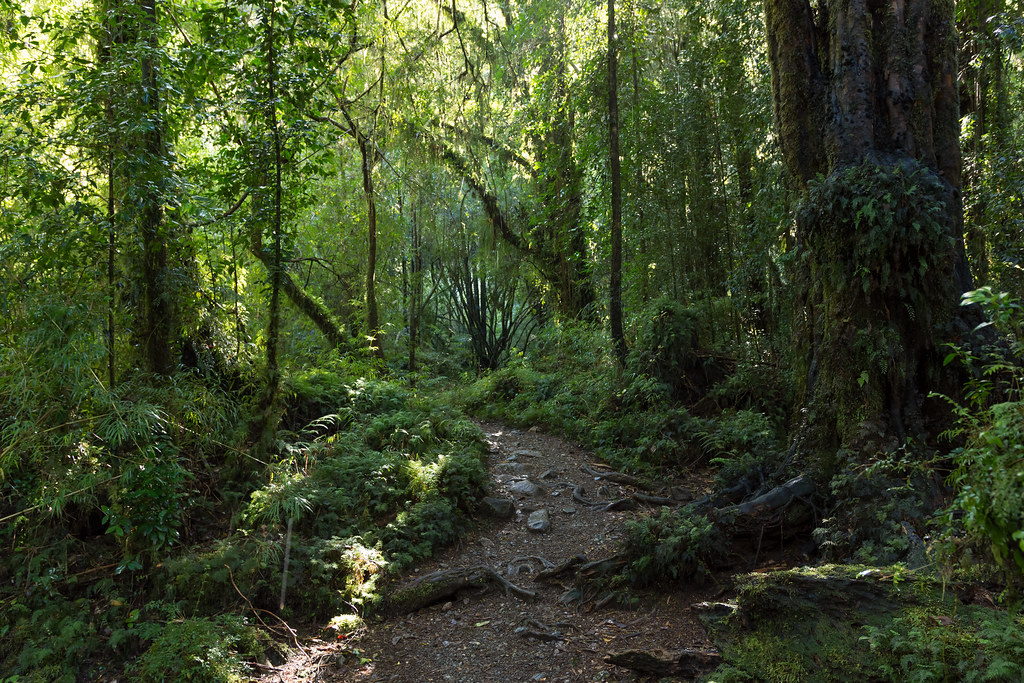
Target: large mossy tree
pixel 866 105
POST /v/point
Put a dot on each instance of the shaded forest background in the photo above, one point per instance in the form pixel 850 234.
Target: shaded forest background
pixel 259 261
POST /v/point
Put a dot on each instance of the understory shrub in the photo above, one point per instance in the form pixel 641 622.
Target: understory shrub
pixel 202 651
pixel 672 545
pixel 986 514
pixel 666 349
pixel 971 644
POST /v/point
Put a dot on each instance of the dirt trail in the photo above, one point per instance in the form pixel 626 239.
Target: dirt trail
pixel 501 638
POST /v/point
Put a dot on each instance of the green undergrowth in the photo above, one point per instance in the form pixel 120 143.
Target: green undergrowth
pixel 148 534
pixel 671 545
pixel 637 418
pixel 843 623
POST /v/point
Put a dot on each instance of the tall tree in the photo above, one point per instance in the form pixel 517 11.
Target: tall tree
pixel 272 162
pixel 865 93
pixel 615 289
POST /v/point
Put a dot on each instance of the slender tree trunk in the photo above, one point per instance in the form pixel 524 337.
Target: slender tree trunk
pixel 615 295
pixel 104 55
pixel 865 93
pixel 415 290
pixel 266 423
pixel 157 294
pixel 372 319
pixel 638 187
pixel 111 271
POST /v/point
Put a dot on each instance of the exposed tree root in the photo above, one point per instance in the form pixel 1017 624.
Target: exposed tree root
pixel 567 566
pixel 785 508
pixel 614 477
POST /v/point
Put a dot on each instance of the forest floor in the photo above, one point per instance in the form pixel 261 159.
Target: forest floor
pixel 497 636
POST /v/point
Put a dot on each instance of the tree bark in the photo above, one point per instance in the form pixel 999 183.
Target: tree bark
pixel 615 294
pixel 372 318
pixel 157 295
pixel 265 420
pixel 865 94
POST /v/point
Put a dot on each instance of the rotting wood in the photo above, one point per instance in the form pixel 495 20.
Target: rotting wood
pixel 437 586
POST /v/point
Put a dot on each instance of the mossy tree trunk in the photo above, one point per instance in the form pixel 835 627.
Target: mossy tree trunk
pixel 866 105
pixel 615 288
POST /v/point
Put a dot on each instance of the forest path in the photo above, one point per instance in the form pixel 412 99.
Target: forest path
pixel 485 638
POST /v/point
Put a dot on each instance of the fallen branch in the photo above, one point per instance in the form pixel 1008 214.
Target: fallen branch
pixel 546 563
pixel 605 567
pixel 617 504
pixel 256 613
pixel 542 631
pixel 776 499
pixel 772 509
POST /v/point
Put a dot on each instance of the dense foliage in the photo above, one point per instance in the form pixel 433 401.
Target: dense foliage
pixel 258 262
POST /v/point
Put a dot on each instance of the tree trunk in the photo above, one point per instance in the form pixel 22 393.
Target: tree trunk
pixel 372 320
pixel 266 420
pixel 865 93
pixel 615 295
pixel 415 297
pixel 157 295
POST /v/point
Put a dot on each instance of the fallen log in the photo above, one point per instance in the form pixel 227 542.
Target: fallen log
pixel 435 587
